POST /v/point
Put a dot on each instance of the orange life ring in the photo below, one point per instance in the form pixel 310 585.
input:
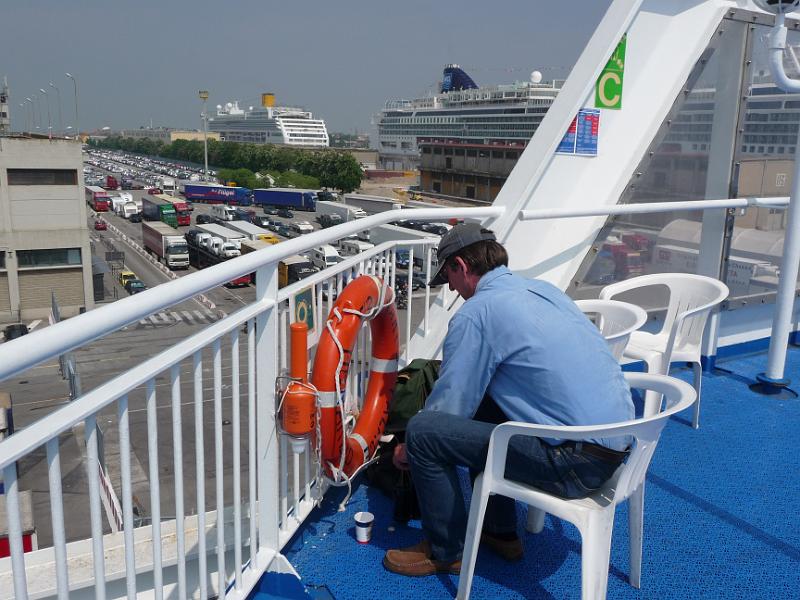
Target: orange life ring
pixel 364 297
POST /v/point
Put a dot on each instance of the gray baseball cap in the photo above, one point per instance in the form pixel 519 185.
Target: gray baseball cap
pixel 460 236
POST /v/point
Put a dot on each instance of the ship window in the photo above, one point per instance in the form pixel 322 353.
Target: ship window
pixel 448 152
pixel 426 150
pixel 437 150
pixel 42 177
pixel 511 155
pixel 483 154
pixel 472 152
pixel 459 152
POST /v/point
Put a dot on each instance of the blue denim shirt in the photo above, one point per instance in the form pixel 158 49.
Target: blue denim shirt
pixel 527 345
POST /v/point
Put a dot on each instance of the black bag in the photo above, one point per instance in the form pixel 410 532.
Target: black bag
pixel 414 383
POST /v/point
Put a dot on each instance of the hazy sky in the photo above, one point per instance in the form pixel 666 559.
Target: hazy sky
pixel 143 60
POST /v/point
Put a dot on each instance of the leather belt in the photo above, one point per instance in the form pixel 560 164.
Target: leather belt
pixel 601 452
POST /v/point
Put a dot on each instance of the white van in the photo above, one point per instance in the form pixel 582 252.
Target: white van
pixel 324 256
pixel 223 212
pixel 353 247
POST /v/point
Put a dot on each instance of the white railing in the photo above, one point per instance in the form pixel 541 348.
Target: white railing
pixel 224 549
pixel 217 549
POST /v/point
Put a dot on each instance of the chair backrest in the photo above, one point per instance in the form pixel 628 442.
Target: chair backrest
pixel 691 298
pixel 672 396
pixel 616 321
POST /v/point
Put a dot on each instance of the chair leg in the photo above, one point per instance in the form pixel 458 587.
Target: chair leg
pixel 635 528
pixel 472 540
pixel 698 382
pixel 652 400
pixel 535 522
pixel 596 552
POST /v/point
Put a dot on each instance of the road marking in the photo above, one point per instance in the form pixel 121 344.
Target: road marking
pixel 176 316
pixel 33 325
pixel 200 316
pixel 153 319
pixel 188 316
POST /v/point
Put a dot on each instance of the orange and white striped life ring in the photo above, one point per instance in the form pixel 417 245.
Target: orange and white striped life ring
pixel 363 298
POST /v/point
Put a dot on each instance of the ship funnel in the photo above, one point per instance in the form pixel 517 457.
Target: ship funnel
pixel 268 100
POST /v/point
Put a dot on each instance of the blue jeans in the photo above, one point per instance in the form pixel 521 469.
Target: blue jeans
pixel 436 443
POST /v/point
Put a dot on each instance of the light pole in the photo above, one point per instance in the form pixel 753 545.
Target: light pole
pixel 204 97
pixel 58 97
pixel 49 121
pixel 33 115
pixel 23 107
pixel 37 109
pixel 77 125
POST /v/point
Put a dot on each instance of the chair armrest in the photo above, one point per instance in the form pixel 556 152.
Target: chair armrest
pixel 615 289
pixel 678 323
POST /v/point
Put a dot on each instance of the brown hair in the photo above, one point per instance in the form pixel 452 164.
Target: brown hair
pixel 481 257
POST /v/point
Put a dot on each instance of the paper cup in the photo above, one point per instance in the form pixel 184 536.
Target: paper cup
pixel 364 521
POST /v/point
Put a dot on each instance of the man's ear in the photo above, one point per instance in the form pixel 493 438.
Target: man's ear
pixel 461 265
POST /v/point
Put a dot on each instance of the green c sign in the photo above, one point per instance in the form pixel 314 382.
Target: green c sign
pixel 608 92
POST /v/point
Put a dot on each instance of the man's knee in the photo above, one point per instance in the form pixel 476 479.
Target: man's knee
pixel 421 427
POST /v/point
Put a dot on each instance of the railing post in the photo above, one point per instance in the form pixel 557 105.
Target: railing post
pixel 266 373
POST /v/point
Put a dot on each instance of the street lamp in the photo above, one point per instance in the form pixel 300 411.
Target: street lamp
pixel 77 125
pixel 58 97
pixel 49 121
pixel 204 97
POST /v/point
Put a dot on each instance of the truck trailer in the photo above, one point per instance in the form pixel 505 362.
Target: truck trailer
pixel 201 257
pixel 158 209
pixel 164 242
pixel 222 232
pixel 294 268
pixel 212 193
pixel 251 231
pixel 286 198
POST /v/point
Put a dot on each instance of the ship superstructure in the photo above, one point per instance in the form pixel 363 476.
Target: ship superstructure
pixel 462 111
pixel 269 124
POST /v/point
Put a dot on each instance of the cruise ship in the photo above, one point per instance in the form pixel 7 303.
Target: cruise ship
pixel 462 111
pixel 269 124
pixel 170 475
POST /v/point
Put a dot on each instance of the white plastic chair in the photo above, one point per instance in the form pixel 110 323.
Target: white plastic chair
pixel 594 515
pixel 616 321
pixel 691 299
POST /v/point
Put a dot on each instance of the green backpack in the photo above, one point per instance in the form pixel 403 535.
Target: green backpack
pixel 414 383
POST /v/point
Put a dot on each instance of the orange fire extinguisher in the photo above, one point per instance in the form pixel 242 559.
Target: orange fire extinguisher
pixel 299 411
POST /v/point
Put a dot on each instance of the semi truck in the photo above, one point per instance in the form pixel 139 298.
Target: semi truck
pixel 296 199
pixel 164 242
pixel 252 232
pixel 158 209
pixel 97 198
pixel 294 268
pixel 212 193
pixel 182 215
pixel 111 182
pixel 201 257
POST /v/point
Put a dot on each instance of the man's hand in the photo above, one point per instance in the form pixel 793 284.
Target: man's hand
pixel 400 460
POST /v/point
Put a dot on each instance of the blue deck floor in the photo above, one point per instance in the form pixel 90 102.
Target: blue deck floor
pixel 721 516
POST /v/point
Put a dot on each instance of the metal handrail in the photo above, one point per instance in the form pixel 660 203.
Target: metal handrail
pixel 30 350
pixel 651 207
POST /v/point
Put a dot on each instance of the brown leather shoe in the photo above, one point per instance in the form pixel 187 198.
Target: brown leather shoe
pixel 416 561
pixel 510 550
